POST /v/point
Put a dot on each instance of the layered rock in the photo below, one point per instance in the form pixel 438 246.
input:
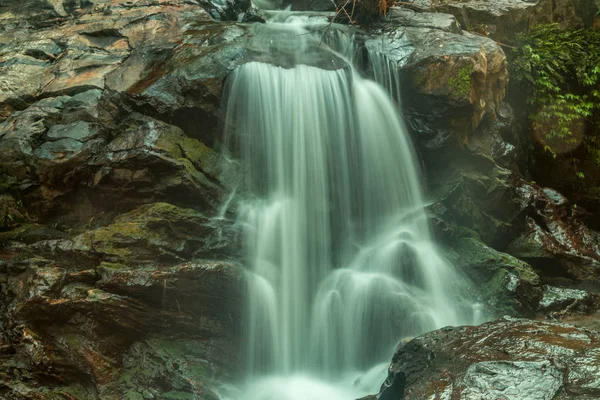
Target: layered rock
pixel 474 153
pixel 457 76
pixel 506 359
pixel 504 284
pixel 502 19
pixel 83 312
pixel 554 240
pixel 107 195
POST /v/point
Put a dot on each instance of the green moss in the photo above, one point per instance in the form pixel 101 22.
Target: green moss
pixel 179 146
pixel 150 232
pixel 460 85
pixel 110 266
pixel 158 212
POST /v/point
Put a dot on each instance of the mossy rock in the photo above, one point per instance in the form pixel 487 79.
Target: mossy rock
pixel 32 233
pixel 173 142
pixel 151 161
pixel 166 369
pixel 158 233
pixel 506 284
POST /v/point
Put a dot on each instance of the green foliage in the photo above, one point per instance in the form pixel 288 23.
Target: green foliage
pixel 461 83
pixel 561 70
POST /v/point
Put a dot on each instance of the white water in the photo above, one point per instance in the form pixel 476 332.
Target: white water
pixel 342 262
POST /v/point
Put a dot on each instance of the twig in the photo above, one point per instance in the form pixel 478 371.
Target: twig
pixel 339 10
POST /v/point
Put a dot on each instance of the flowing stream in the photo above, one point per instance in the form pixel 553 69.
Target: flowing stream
pixel 342 262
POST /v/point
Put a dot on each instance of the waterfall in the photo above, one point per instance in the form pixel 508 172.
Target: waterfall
pixel 342 264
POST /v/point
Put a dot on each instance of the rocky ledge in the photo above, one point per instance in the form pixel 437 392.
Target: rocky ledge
pixel 509 359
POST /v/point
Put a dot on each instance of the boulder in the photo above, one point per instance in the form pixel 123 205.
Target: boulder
pixel 452 84
pixel 555 241
pixel 86 333
pixel 506 359
pixel 560 302
pixel 460 76
pixel 504 284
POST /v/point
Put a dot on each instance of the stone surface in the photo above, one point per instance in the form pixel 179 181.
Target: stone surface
pixel 560 302
pixel 507 359
pixel 501 19
pixel 504 284
pixel 554 240
pixel 462 77
pixel 85 333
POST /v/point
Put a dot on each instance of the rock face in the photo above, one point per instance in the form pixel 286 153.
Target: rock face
pixel 507 359
pixel 504 284
pixel 461 75
pixel 85 332
pixel 554 241
pixel 501 19
pixel 108 193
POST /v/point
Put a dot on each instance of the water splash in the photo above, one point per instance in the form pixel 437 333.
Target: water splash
pixel 337 241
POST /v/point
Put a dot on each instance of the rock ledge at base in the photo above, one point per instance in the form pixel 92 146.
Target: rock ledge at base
pixel 507 359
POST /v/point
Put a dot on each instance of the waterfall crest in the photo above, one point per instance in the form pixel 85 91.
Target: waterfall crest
pixel 341 258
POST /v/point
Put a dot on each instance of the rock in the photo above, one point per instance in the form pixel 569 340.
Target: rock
pixel 11 212
pixel 76 168
pixel 151 160
pixel 30 233
pixel 474 184
pixel 168 369
pixel 501 19
pixel 506 285
pixel 253 15
pixel 508 359
pixel 476 193
pixel 555 242
pixel 461 76
pixel 561 174
pixel 452 85
pixel 157 233
pixel 559 302
pixel 85 333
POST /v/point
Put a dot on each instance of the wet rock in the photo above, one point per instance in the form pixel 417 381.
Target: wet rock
pixel 168 369
pixel 476 193
pixel 86 333
pixel 508 359
pixel 506 285
pixel 253 15
pixel 559 302
pixel 452 85
pixel 554 240
pixel 157 233
pixel 74 157
pixel 462 77
pixel 29 233
pixel 151 160
pixel 231 10
pixel 11 212
pixel 500 19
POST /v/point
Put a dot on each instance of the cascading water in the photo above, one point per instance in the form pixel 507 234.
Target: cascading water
pixel 342 262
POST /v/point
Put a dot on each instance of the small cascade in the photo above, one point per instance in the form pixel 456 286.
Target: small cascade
pixel 342 263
